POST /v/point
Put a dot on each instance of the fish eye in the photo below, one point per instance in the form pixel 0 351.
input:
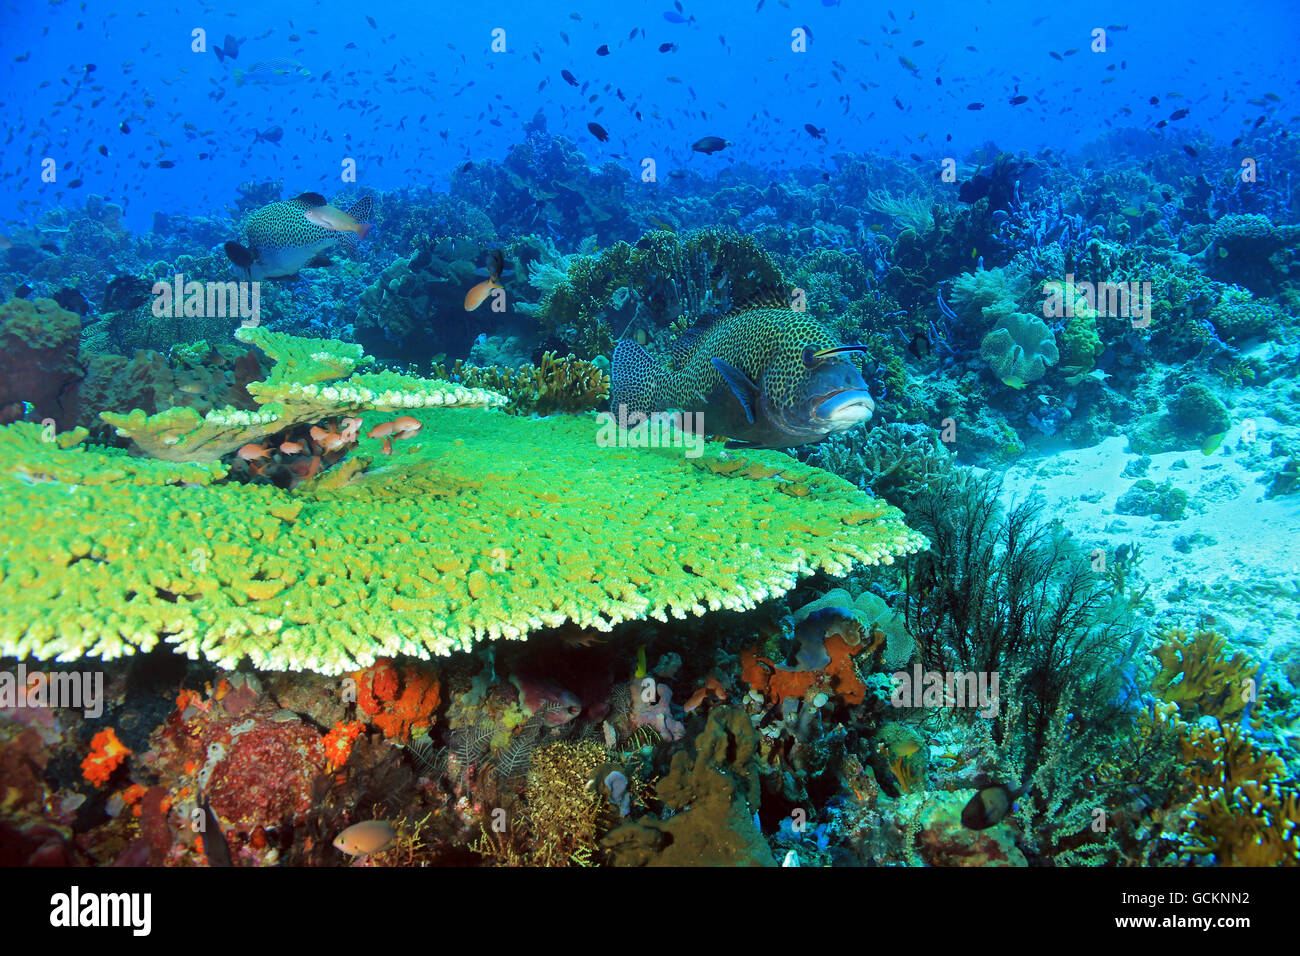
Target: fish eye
pixel 809 356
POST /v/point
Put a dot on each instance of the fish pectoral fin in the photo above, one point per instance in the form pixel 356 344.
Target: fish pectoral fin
pixel 741 385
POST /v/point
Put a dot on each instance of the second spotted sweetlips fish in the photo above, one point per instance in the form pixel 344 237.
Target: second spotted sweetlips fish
pixel 767 376
pixel 285 237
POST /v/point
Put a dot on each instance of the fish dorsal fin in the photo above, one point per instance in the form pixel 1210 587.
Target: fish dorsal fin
pixel 680 350
pixel 362 208
pixel 310 200
pixel 764 297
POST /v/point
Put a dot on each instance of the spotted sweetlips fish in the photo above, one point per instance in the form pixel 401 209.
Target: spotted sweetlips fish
pixel 764 375
pixel 284 237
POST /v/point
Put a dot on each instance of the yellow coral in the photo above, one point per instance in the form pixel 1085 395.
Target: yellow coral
pixel 1243 813
pixel 305 385
pixel 400 560
pixel 1195 671
pixel 564 803
pixel 556 385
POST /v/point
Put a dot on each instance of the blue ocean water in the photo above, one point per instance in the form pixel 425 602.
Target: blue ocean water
pixel 422 89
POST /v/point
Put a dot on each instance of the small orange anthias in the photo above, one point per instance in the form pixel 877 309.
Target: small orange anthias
pixel 403 427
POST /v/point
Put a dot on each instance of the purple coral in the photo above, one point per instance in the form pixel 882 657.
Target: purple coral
pixel 651 708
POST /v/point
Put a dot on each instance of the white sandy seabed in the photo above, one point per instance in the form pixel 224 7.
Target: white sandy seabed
pixel 1236 565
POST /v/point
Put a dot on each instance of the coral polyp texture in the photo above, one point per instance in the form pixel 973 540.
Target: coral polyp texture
pixel 448 543
pixel 307 384
pixel 557 384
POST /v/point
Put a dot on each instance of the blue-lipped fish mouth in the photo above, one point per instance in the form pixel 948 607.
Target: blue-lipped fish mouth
pixel 846 407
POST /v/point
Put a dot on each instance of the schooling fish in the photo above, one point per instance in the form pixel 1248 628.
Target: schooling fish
pixel 710 144
pixel 281 240
pixel 229 49
pixel 277 72
pixel 764 375
pixel 272 135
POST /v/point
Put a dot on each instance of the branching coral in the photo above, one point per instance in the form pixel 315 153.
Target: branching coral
pixel 301 389
pixel 556 385
pixel 565 807
pixel 1004 592
pixel 897 461
pixel 911 212
pixel 1243 813
pixel 448 543
pixel 663 277
pixel 1197 673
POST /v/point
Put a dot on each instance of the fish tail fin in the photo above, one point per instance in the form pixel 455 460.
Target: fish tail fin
pixel 349 243
pixel 362 209
pixel 363 229
pixel 636 379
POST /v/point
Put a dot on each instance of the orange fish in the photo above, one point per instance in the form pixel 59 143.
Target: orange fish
pixel 351 426
pixel 336 220
pixel 252 452
pixel 403 427
pixel 291 447
pixel 475 296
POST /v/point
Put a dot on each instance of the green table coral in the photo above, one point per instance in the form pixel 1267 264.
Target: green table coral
pixel 307 384
pixel 484 526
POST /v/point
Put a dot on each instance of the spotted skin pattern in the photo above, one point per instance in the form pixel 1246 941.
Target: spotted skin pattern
pixel 283 240
pixel 767 344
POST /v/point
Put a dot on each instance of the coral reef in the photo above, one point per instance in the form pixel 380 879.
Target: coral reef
pixel 1197 673
pixel 1020 349
pixel 306 385
pixel 661 278
pixel 313 580
pixel 715 793
pixel 556 385
pixel 1242 812
pixel 38 360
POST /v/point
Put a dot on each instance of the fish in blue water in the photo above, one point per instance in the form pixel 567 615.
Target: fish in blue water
pixel 277 72
pixel 229 49
pixel 281 240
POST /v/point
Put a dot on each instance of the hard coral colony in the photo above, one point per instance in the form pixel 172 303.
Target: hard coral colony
pixel 845 498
